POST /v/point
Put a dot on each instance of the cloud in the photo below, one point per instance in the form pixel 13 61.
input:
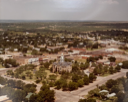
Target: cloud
pixel 109 1
pixel 27 0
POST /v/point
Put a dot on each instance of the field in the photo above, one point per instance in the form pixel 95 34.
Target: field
pixel 45 27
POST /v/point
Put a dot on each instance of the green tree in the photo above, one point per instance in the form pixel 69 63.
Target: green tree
pixel 111 70
pixel 91 100
pixel 75 78
pixel 80 82
pixel 72 86
pixel 127 75
pixel 115 89
pixel 86 80
pixel 112 59
pixel 82 100
pixel 110 83
pixel 64 86
pixel 91 77
pixel 118 68
pixel 125 65
pixel 120 96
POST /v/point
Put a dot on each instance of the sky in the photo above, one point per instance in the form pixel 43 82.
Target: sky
pixel 103 10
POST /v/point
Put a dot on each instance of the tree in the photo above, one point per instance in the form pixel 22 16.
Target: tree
pixel 41 74
pixel 95 71
pixel 90 59
pixel 30 76
pixel 110 83
pixel 94 92
pixel 72 86
pixel 52 77
pixel 29 88
pixel 64 86
pixel 23 77
pixel 45 87
pixel 106 68
pixel 3 81
pixel 33 98
pixel 75 68
pixel 82 100
pixel 28 73
pixel 10 72
pixel 112 59
pixel 125 65
pixel 45 95
pixel 46 65
pixel 82 66
pixel 95 46
pixel 120 96
pixel 100 56
pixel 111 70
pixel 58 84
pixel 75 78
pixel 127 75
pixel 91 100
pixel 80 82
pixel 118 68
pixel 91 77
pixel 115 89
pixel 86 80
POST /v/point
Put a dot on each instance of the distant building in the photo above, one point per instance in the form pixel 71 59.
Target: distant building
pixel 62 65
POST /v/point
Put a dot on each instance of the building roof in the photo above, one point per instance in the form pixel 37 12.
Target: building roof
pixel 111 95
pixel 104 91
pixel 29 95
pixel 3 98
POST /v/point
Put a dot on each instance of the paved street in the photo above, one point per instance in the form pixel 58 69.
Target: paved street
pixel 74 96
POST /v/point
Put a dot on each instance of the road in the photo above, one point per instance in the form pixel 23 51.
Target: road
pixel 74 96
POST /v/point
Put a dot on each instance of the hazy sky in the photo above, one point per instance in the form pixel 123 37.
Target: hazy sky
pixel 108 10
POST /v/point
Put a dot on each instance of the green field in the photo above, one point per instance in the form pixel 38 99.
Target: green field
pixel 44 27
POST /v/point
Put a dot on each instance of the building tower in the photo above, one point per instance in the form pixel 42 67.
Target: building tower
pixel 62 58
